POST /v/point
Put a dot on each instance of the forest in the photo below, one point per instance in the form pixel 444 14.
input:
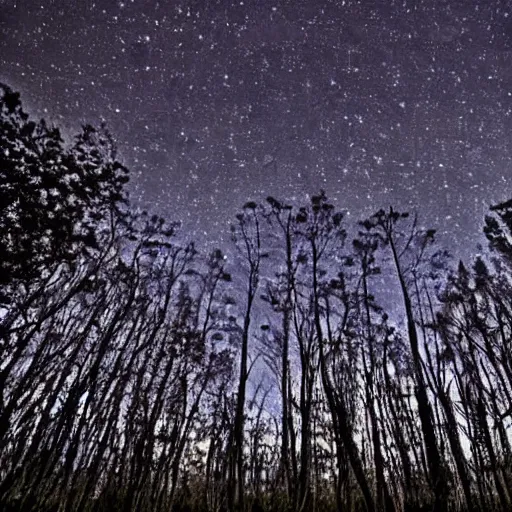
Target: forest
pixel 316 365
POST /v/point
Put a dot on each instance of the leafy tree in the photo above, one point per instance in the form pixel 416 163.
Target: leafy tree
pixel 53 198
pixel 498 230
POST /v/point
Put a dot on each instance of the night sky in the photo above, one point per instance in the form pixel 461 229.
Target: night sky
pixel 215 102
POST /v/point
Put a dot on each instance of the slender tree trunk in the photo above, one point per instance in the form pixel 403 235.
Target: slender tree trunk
pixel 436 470
pixel 338 410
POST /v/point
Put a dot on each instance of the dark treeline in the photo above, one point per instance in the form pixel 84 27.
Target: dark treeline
pixel 138 374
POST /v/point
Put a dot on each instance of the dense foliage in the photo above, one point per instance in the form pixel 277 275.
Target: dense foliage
pixel 52 198
pixel 304 371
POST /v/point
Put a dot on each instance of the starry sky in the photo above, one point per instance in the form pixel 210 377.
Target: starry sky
pixel 214 102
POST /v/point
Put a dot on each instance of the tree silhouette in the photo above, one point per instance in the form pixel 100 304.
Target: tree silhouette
pixel 294 371
pixel 53 197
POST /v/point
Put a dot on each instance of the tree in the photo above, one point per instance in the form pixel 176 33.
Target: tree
pixel 247 236
pixel 364 252
pixel 280 295
pixel 323 231
pixel 498 230
pixel 52 197
pixel 386 227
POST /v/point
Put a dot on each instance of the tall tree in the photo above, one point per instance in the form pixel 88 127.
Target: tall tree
pixel 387 227
pixel 281 215
pixel 247 237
